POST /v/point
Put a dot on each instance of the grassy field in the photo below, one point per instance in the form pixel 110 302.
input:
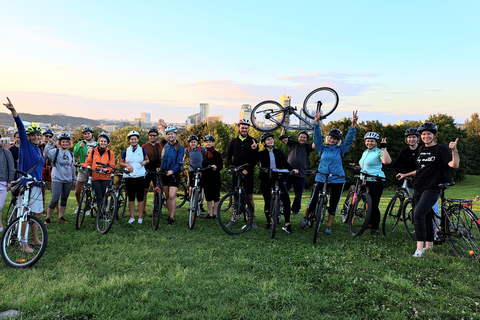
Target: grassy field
pixel 177 273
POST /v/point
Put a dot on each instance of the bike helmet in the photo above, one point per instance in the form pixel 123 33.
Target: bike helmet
pixel 209 137
pixel 335 133
pixel 305 132
pixel 371 135
pixel 244 121
pixel 87 129
pixel 266 135
pixel 48 131
pixel 171 129
pixel 105 135
pixel 428 126
pixel 411 132
pixel 133 133
pixel 153 130
pixel 192 137
pixel 64 136
pixel 34 129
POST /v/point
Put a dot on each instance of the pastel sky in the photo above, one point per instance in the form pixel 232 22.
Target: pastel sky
pixel 390 60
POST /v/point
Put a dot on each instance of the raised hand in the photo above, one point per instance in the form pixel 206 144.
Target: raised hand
pixel 453 145
pixel 318 116
pixel 354 118
pixel 162 123
pixel 10 107
pixel 254 145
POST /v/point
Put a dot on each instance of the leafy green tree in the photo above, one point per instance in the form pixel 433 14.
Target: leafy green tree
pixel 472 129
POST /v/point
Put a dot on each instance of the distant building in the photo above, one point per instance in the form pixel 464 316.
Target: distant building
pixel 193 120
pixel 285 101
pixel 204 111
pixel 145 118
pixel 212 119
pixel 110 128
pixel 138 122
pixel 402 122
pixel 245 111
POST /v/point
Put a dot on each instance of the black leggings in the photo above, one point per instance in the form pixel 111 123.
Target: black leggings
pixel 99 187
pixel 135 187
pixel 375 190
pixel 265 186
pixel 336 190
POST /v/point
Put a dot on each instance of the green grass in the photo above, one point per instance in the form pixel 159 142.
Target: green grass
pixel 177 273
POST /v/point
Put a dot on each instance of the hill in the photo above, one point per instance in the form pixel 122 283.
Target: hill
pixel 61 120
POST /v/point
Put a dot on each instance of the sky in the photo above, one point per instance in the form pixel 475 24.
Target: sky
pixel 390 60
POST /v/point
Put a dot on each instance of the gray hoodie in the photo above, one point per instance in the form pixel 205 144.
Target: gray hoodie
pixel 63 169
pixel 7 169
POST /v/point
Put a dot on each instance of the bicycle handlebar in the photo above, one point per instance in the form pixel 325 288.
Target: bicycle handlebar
pixel 327 174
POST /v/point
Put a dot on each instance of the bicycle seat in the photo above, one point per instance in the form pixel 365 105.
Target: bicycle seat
pixel 446 185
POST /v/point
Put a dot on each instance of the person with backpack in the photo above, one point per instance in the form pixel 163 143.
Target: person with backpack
pixel 194 153
pixel 63 174
pixel 134 158
pixel 434 163
pixel 331 153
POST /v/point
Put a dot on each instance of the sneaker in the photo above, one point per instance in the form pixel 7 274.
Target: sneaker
pixel 295 213
pixel 76 211
pixel 374 232
pixel 87 213
pixel 62 219
pixel 268 226
pixel 47 221
pixel 303 223
pixel 231 223
pixel 43 214
pixel 1 229
pixel 328 231
pixel 131 220
pixel 209 217
pixel 254 225
pixel 170 221
pixel 214 217
pixel 140 220
pixel 287 228
pixel 417 254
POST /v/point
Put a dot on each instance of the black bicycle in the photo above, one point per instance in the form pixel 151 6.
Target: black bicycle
pixel 393 214
pixel 196 199
pixel 106 213
pixel 235 212
pixel 88 201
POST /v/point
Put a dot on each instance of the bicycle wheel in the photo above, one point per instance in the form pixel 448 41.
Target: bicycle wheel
pixel 241 211
pixel 194 207
pixel 409 219
pixel 122 202
pixel 463 232
pixel 324 98
pixel 392 215
pixel 23 248
pixel 181 195
pixel 274 214
pixel 319 216
pixel 267 116
pixel 106 215
pixel 157 208
pixel 347 204
pixel 223 191
pixel 359 215
pixel 85 200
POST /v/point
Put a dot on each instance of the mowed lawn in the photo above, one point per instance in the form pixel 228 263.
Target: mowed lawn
pixel 134 272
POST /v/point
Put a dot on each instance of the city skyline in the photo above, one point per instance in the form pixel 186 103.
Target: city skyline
pixel 390 61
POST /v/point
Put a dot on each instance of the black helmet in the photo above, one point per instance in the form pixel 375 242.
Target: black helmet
pixel 266 135
pixel 305 132
pixel 411 132
pixel 335 133
pixel 87 129
pixel 428 126
pixel 209 137
pixel 153 130
pixel 192 137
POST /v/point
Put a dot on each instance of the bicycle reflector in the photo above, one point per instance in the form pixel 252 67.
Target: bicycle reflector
pixel 468 204
pixel 478 221
pixel 471 252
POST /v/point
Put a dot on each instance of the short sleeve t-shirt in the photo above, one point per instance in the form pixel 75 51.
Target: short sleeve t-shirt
pixel 431 163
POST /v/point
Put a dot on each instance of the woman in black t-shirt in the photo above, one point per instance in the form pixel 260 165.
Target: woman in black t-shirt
pixel 432 160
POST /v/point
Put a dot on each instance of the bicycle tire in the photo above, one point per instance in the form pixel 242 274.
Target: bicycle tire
pixel 359 215
pixel 10 217
pixel 392 214
pixel 157 208
pixel 106 216
pixel 194 207
pixel 347 204
pixel 85 199
pixel 264 112
pixel 182 194
pixel 324 95
pixel 122 202
pixel 408 216
pixel 463 232
pixel 224 190
pixel 274 214
pixel 241 209
pixel 319 211
pixel 11 248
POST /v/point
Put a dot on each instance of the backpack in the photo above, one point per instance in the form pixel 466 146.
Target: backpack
pixel 56 156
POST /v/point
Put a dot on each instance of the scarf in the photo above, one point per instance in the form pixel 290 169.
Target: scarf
pixel 209 152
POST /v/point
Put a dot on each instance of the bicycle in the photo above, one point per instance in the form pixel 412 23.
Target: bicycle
pixel 121 195
pixel 318 216
pixel 241 208
pixel 275 199
pixel 25 237
pixel 459 225
pixel 108 208
pixel 269 115
pixel 393 213
pixel 88 201
pixel 359 203
pixel 158 198
pixel 196 198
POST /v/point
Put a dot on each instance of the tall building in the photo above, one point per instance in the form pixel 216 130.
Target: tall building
pixel 138 122
pixel 245 111
pixel 204 110
pixel 145 117
pixel 285 101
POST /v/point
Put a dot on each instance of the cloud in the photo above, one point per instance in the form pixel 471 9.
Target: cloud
pixel 29 37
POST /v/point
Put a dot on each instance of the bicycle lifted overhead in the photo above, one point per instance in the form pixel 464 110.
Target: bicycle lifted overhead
pixel 269 115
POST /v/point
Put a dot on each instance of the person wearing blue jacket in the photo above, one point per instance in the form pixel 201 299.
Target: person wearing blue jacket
pixel 331 154
pixel 171 164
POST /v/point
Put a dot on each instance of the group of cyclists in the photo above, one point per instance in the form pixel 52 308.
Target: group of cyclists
pixel 423 164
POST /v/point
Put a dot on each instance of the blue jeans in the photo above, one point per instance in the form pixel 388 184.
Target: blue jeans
pixel 424 202
pixel 298 186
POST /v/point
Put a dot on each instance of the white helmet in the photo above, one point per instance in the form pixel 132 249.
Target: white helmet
pixel 371 135
pixel 133 133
